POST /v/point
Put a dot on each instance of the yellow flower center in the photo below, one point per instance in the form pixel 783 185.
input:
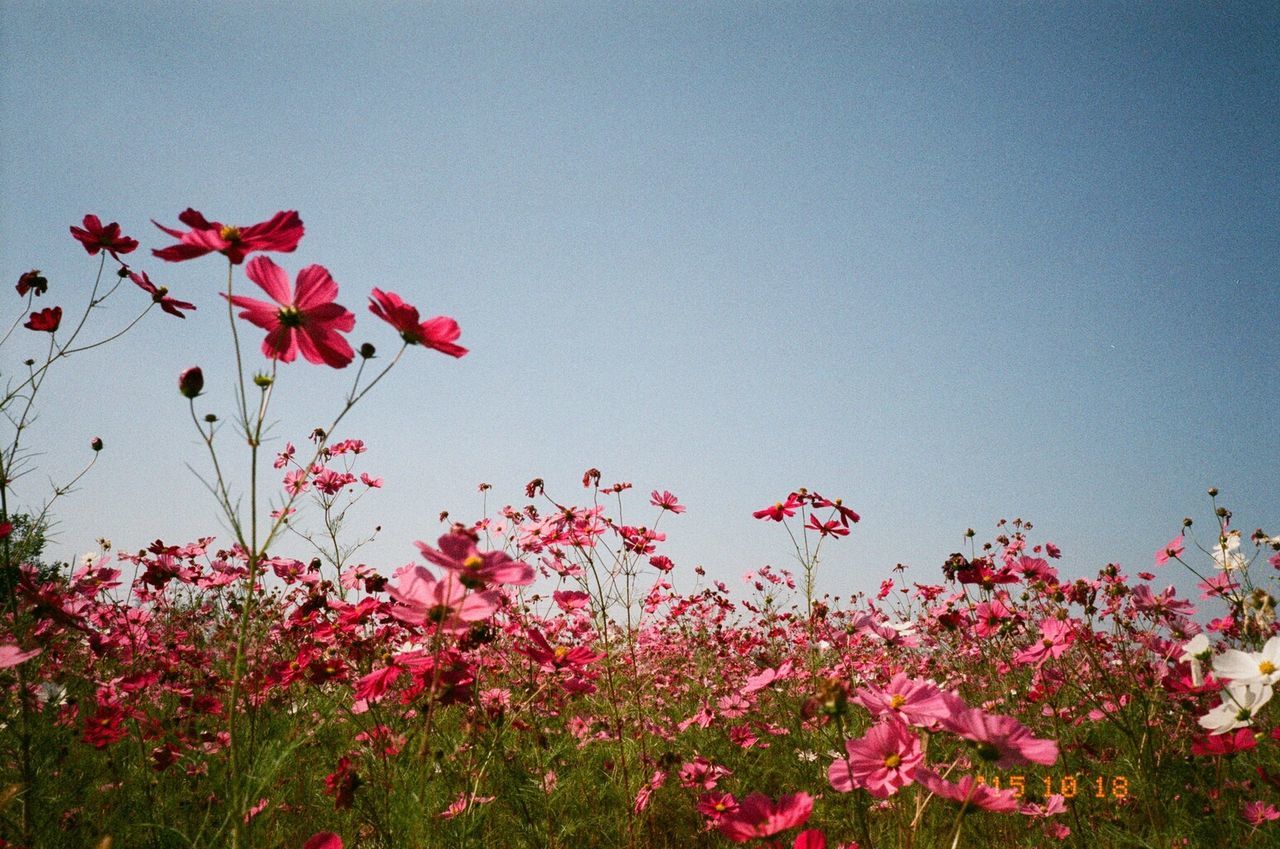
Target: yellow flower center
pixel 893 760
pixel 290 317
pixel 475 561
pixel 561 651
pixel 230 234
pixel 897 701
pixel 1266 667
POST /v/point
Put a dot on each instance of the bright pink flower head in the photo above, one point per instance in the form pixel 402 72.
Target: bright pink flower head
pixel 439 332
pixel 95 237
pixel 969 792
pixel 1256 813
pixel 323 840
pixel 882 761
pixel 421 599
pixel 666 501
pixel 760 816
pixel 1002 740
pixel 780 509
pixel 1172 549
pixel 160 295
pixel 282 233
pixel 475 568
pixel 551 659
pixel 912 700
pixel 12 656
pixel 308 321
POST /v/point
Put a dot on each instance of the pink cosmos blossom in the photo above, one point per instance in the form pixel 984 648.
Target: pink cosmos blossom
pixel 1256 813
pixel 420 599
pixel 1228 743
pixel 160 295
pixel 281 233
pixel 666 501
pixel 1173 548
pixel 439 332
pixel 96 237
pixel 1056 637
pixel 323 840
pixel 969 792
pixel 11 655
pixel 559 657
pixel 309 321
pixel 990 617
pixel 914 701
pixel 1002 740
pixel 882 762
pixel 760 816
pixel 473 568
pixel 780 510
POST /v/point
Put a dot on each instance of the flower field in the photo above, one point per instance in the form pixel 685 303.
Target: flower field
pixel 546 676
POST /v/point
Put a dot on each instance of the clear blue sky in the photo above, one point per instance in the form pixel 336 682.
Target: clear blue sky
pixel 952 262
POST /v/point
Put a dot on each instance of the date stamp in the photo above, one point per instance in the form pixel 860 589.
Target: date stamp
pixel 1067 786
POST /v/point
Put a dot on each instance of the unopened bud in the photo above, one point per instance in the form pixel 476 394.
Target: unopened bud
pixel 191 382
pixel 1213 492
pixel 96 443
pixel 210 418
pixel 367 351
pixel 262 381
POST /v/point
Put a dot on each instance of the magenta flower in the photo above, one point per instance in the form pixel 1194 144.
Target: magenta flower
pixel 420 599
pixel 308 321
pixel 882 761
pixel 780 509
pixel 759 816
pixel 1002 740
pixel 98 237
pixel 439 332
pixel 160 295
pixel 969 792
pixel 1172 549
pixel 914 701
pixel 45 320
pixel 12 656
pixel 476 569
pixel 282 233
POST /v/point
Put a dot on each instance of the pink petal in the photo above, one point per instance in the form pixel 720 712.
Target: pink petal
pixel 271 278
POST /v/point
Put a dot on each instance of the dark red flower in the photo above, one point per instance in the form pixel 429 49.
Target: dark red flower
pixel 160 294
pixel 95 237
pixel 46 320
pixel 32 281
pixel 282 233
pixel 439 332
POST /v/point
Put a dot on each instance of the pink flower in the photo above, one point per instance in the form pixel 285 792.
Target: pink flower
pixel 1173 548
pixel 1002 740
pixel 760 816
pixel 1256 813
pixel 439 332
pixel 160 295
pixel 459 555
pixel 308 321
pixel 420 599
pixel 666 501
pixel 282 233
pixel 323 840
pixel 969 792
pixel 780 510
pixel 913 701
pixel 882 761
pixel 12 656
pixel 95 237
pixel 1055 637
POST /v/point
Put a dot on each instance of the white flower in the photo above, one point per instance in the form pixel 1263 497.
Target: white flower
pixel 1196 652
pixel 1239 705
pixel 1250 667
pixel 1226 555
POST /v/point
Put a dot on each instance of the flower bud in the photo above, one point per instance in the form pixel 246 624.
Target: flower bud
pixel 96 443
pixel 210 418
pixel 191 382
pixel 367 351
pixel 262 381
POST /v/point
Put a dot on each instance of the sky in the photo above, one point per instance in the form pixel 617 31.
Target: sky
pixel 950 262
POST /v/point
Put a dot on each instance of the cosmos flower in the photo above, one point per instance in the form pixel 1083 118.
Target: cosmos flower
pixel 308 320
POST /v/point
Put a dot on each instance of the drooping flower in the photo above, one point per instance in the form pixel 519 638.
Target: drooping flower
pixel 281 233
pixel 308 320
pixel 160 295
pixel 759 816
pixel 98 237
pixel 1002 740
pixel 191 382
pixel 969 792
pixel 46 320
pixel 1172 549
pixel 882 761
pixel 1240 703
pixel 439 332
pixel 12 656
pixel 32 281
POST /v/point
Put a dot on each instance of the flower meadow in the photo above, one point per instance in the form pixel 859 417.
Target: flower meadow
pixel 544 675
